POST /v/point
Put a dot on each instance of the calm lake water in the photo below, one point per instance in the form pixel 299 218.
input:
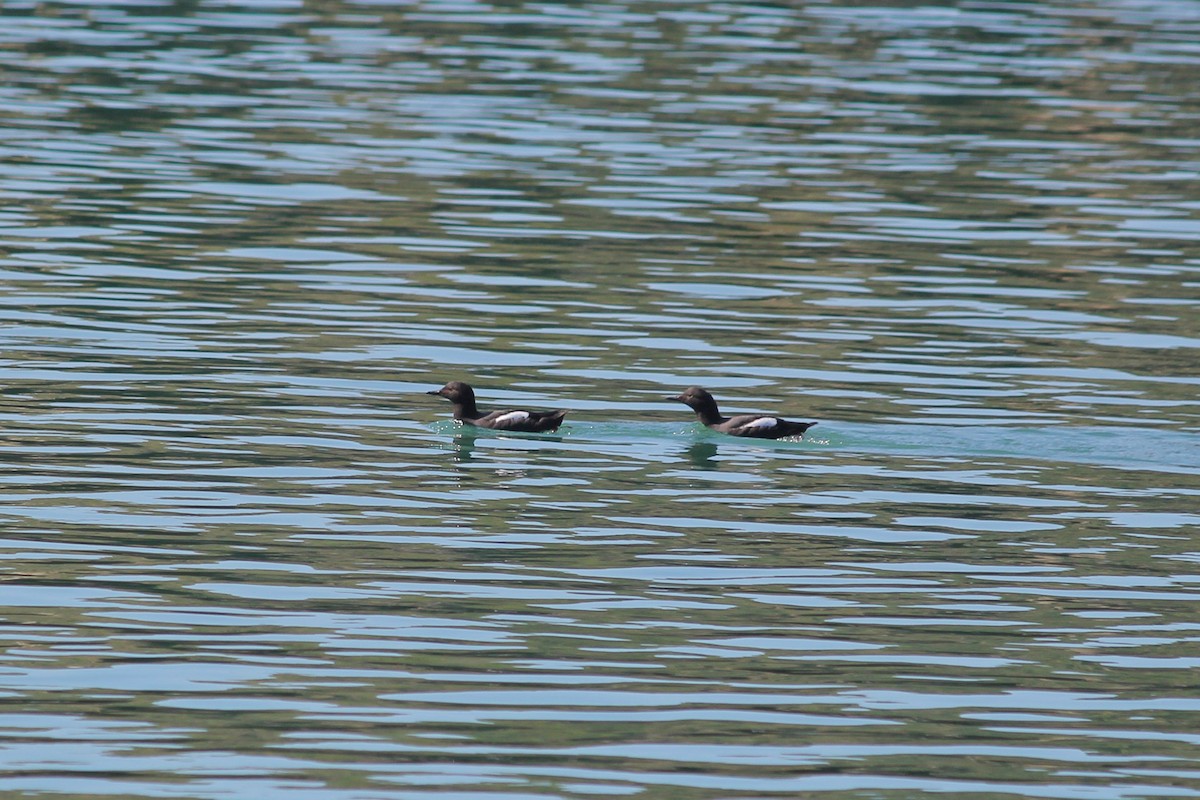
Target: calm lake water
pixel 244 555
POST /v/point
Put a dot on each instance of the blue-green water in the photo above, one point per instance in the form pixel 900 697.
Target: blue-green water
pixel 244 554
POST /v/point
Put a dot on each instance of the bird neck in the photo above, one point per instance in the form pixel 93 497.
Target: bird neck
pixel 709 414
pixel 465 409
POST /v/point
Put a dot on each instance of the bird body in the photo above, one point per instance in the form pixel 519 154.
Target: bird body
pixel 755 426
pixel 465 411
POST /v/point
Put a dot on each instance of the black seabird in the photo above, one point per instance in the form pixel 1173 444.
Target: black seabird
pixel 756 426
pixel 463 398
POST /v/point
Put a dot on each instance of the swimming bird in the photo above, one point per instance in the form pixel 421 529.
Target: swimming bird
pixel 757 426
pixel 463 398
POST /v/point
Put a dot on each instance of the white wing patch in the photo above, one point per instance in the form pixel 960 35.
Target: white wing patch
pixel 511 417
pixel 762 423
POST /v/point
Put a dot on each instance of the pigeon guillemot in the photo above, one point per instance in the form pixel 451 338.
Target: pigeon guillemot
pixel 463 398
pixel 757 426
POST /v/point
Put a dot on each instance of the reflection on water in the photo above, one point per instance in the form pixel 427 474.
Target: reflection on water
pixel 702 454
pixel 462 446
pixel 243 549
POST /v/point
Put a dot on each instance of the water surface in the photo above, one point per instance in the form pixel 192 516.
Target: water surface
pixel 244 553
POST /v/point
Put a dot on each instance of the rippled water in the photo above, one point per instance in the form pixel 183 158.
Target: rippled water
pixel 245 555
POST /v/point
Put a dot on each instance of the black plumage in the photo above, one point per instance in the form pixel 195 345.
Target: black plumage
pixel 756 426
pixel 465 411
